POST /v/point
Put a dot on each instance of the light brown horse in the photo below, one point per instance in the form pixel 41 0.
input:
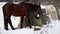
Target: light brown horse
pixel 51 13
pixel 22 9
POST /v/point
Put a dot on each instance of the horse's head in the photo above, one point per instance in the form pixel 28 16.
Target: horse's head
pixel 36 8
pixel 38 11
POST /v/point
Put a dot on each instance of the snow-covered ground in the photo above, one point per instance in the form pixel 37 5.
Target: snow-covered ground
pixel 52 28
pixel 18 31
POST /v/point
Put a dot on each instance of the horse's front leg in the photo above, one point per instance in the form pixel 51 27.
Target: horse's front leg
pixel 22 17
pixel 9 21
pixel 5 23
pixel 29 21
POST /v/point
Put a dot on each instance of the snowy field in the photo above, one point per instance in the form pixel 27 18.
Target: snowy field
pixel 52 28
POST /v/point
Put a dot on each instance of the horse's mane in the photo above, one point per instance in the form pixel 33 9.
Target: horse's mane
pixel 33 6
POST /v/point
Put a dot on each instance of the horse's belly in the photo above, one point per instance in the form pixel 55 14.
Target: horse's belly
pixel 20 14
pixel 16 14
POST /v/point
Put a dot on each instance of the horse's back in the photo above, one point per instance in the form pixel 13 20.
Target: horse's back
pixel 21 9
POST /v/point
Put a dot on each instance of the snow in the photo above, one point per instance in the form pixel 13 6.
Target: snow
pixel 52 28
pixel 18 31
pixel 55 29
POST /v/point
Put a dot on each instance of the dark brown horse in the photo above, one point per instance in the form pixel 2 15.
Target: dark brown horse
pixel 22 9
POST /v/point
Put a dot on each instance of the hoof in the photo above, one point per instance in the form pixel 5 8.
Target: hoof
pixel 30 27
pixel 6 29
pixel 14 28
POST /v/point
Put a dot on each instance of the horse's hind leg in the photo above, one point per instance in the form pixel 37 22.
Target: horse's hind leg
pixel 5 23
pixel 5 19
pixel 29 21
pixel 9 21
pixel 22 17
